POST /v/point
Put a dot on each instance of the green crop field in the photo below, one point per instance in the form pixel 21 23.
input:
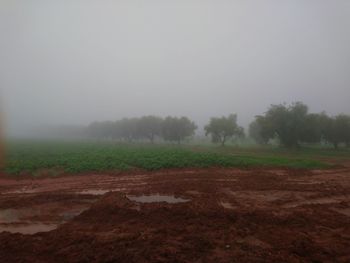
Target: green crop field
pixel 78 157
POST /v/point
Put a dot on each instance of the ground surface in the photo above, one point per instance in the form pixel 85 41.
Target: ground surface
pixel 52 158
pixel 224 215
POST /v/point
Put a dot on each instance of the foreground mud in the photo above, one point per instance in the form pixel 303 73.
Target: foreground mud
pixel 199 215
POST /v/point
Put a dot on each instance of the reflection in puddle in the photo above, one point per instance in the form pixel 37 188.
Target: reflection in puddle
pixel 28 228
pixel 157 198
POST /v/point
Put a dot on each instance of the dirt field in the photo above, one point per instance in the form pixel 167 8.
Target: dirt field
pixel 192 215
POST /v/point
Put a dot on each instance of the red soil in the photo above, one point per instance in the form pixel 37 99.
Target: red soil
pixel 255 215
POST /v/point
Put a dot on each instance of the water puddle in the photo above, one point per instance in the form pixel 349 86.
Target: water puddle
pixel 226 205
pixel 94 192
pixel 157 198
pixel 28 229
pixel 31 221
pixel 99 191
pixel 69 215
pixel 304 182
pixel 9 216
pixel 22 191
pixel 319 201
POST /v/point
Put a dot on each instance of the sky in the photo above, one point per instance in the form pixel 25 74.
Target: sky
pixel 77 61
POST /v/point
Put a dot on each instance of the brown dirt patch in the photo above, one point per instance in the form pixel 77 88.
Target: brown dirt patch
pixel 255 215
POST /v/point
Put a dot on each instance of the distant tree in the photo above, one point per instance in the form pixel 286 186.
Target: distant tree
pixel 312 129
pixel 288 122
pixel 336 130
pixel 260 130
pixel 293 125
pixel 149 127
pixel 2 146
pixel 343 122
pixel 177 129
pixel 221 129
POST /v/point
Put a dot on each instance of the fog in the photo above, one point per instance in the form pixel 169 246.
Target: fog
pixel 74 62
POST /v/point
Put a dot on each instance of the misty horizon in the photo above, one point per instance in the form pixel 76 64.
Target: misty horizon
pixel 72 63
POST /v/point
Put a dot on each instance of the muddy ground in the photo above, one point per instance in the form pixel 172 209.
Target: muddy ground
pixel 192 215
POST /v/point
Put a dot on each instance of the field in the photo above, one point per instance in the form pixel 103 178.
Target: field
pixel 112 202
pixel 35 158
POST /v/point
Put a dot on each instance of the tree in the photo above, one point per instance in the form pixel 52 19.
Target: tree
pixel 336 130
pixel 223 128
pixel 290 124
pixel 343 124
pixel 313 127
pixel 287 122
pixel 149 127
pixel 260 130
pixel 2 157
pixel 293 125
pixel 177 129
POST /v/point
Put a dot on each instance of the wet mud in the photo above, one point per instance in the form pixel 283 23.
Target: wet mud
pixel 191 215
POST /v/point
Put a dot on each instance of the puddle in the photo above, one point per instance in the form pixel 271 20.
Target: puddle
pixel 94 192
pixel 22 191
pixel 226 205
pixel 31 221
pixel 28 229
pixel 157 198
pixel 9 216
pixel 99 191
pixel 304 182
pixel 319 201
pixel 69 215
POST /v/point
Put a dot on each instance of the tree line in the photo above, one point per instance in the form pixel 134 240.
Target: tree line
pixel 293 125
pixel 173 129
pixel 290 125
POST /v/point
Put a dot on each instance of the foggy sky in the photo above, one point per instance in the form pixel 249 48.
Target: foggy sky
pixel 76 61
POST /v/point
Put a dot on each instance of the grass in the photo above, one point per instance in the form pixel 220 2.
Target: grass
pixel 305 152
pixel 79 157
